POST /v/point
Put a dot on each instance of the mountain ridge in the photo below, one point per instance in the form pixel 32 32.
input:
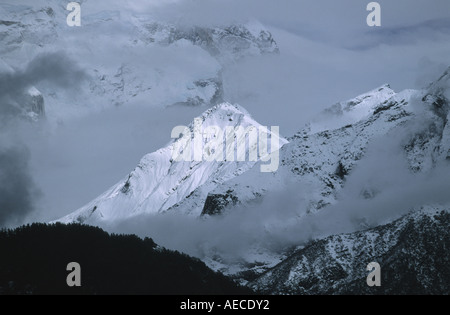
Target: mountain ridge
pixel 411 251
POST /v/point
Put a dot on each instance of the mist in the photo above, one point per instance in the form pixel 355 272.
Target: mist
pixel 55 69
pixel 18 192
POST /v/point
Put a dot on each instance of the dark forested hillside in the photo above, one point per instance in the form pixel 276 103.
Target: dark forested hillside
pixel 34 260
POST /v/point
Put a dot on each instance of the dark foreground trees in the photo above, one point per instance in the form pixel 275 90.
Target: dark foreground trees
pixel 34 260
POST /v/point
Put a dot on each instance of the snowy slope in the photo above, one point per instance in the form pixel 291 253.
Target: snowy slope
pixel 160 183
pixel 351 111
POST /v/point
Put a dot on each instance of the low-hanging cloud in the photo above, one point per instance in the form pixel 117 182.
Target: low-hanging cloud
pixel 231 236
pixel 56 68
pixel 18 191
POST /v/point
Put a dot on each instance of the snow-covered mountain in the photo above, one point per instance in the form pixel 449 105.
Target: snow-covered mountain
pixel 160 183
pixel 128 57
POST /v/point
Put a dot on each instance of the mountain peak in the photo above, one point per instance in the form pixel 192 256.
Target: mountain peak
pixel 161 183
pixel 223 115
pixel 225 108
pixel 351 111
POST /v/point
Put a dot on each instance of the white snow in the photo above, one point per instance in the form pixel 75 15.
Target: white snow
pixel 33 91
pixel 351 111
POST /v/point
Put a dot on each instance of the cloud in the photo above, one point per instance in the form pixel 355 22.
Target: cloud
pixel 55 69
pixel 231 236
pixel 18 191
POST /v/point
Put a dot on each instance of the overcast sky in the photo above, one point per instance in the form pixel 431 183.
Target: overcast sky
pixel 327 54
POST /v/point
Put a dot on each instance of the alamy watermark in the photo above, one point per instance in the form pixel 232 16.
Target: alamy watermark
pixel 74 277
pixel 74 17
pixel 212 143
pixel 374 17
pixel 374 277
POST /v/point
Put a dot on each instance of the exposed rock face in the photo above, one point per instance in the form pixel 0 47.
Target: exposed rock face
pixel 34 104
pixel 226 44
pixel 214 204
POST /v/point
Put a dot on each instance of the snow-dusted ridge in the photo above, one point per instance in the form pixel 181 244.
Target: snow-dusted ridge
pixel 411 251
pixel 351 111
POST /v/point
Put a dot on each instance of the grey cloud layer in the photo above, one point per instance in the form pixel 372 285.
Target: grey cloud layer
pixel 18 190
pixel 56 69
